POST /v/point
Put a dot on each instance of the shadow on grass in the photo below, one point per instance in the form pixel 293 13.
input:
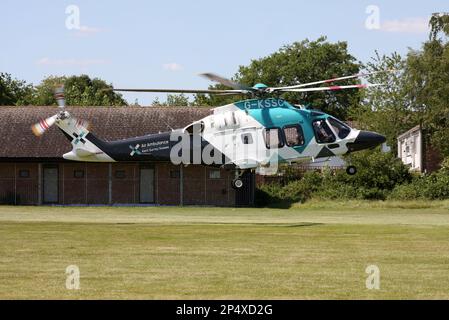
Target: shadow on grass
pixel 263 199
pixel 302 225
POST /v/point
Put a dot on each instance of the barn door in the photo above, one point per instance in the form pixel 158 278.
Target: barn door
pixel 146 185
pixel 50 185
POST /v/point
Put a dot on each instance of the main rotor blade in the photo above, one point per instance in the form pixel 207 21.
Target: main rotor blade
pixel 226 82
pixel 183 91
pixel 359 75
pixel 332 88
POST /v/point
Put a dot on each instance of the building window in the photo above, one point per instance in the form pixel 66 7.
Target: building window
pixel 175 174
pixel 323 132
pixel 78 174
pixel 24 173
pixel 294 136
pixel 214 174
pixel 247 138
pixel 273 138
pixel 120 174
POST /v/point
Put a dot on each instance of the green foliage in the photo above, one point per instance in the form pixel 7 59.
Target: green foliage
pixel 384 108
pixel 14 92
pixel 439 23
pixel 276 195
pixel 427 187
pixel 417 94
pixel 79 91
pixel 428 84
pixel 300 62
pixel 378 174
pixel 173 100
pixel 378 170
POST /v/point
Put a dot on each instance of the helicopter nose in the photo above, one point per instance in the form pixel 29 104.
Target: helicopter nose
pixel 366 140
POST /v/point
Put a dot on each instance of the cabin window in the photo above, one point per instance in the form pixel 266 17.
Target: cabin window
pixel 341 129
pixel 273 138
pixel 78 174
pixel 293 136
pixel 247 138
pixel 323 132
pixel 214 174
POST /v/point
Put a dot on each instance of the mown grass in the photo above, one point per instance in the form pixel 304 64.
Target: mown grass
pixel 314 251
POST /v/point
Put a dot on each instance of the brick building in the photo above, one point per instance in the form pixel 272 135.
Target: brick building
pixel 33 172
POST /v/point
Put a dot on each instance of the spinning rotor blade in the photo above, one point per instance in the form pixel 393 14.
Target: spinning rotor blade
pixel 81 123
pixel 226 82
pixel 359 75
pixel 43 125
pixel 59 95
pixel 182 91
pixel 332 88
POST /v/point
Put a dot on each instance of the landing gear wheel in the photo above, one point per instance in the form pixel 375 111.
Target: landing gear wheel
pixel 351 170
pixel 237 183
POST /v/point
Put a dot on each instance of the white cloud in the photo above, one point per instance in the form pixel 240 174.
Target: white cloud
pixel 172 66
pixel 407 25
pixel 71 62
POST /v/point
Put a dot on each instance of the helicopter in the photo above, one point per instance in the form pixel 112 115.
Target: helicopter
pixel 256 134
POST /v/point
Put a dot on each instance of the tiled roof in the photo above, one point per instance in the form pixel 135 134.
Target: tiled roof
pixel 108 123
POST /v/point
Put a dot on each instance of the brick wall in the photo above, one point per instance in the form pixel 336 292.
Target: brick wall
pixel 117 183
pixel 432 159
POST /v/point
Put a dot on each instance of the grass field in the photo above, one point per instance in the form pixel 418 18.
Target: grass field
pixel 313 251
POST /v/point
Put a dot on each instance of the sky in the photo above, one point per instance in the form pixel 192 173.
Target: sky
pixel 166 44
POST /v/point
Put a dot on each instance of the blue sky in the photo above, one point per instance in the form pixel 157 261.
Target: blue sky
pixel 167 43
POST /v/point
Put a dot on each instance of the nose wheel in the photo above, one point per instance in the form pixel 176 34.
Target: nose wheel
pixel 351 170
pixel 237 183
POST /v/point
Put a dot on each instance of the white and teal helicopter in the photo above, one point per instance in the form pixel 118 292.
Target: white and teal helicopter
pixel 255 135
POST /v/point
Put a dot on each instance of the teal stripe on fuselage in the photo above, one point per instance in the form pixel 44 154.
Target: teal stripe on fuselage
pixel 279 113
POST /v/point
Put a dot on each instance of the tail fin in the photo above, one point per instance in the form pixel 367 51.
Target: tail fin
pixel 86 147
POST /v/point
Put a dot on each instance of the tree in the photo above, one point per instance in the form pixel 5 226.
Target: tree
pixel 13 91
pixel 173 100
pixel 79 91
pixel 300 62
pixel 428 83
pixel 385 109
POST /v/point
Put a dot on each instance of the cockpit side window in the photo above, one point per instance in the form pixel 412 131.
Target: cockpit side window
pixel 323 132
pixel 341 129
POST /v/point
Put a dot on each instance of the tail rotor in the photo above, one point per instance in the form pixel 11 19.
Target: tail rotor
pixel 45 124
pixel 42 126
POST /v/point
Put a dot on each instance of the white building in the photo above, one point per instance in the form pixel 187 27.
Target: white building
pixel 411 149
